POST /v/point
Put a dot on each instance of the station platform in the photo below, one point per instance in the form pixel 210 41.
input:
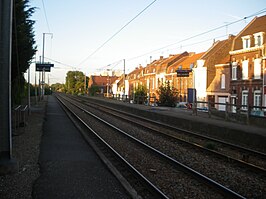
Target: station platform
pixel 69 167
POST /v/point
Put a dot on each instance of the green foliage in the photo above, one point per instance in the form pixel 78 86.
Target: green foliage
pixel 168 95
pixel 75 82
pixel 93 90
pixel 140 94
pixel 58 87
pixel 23 48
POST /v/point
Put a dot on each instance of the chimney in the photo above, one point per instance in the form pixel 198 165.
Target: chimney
pixel 161 57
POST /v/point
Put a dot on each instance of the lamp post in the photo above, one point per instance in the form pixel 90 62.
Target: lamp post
pixel 43 71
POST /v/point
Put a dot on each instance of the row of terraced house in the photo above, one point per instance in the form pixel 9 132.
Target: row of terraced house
pixel 232 70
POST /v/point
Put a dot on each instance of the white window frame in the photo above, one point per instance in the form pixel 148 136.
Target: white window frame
pixel 257 69
pixel 246 41
pixel 223 81
pixel 234 71
pixel 259 42
pixel 245 69
pixel 257 99
pixel 244 100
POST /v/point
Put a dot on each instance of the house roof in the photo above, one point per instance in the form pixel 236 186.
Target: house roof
pixel 258 24
pixel 102 80
pixel 186 62
pixel 219 52
pixel 162 64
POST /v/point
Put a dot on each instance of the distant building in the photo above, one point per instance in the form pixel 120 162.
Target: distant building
pixel 104 83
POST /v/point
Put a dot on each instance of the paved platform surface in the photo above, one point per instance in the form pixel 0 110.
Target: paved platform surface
pixel 188 115
pixel 68 165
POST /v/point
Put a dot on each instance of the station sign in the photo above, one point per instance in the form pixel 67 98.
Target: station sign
pixel 44 67
pixel 183 73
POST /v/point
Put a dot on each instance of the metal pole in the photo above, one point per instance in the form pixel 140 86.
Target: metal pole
pixel 29 91
pixel 36 94
pixel 42 86
pixel 7 163
pixel 124 77
pixel 85 84
pixel 43 72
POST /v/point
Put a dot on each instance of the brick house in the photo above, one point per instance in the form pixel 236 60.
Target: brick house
pixel 212 73
pixel 218 73
pixel 135 78
pixel 183 83
pixel 102 82
pixel 247 58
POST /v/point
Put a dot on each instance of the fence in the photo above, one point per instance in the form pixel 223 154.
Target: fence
pixel 232 112
pixel 19 119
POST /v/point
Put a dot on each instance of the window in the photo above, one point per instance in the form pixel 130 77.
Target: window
pixel 245 69
pixel 257 69
pixel 258 43
pixel 223 81
pixel 153 83
pixel 234 71
pixel 244 99
pixel 258 38
pixel 257 99
pixel 246 41
pixel 191 66
pixel 148 83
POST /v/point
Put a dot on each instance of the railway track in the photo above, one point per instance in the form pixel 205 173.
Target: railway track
pixel 164 163
pixel 255 160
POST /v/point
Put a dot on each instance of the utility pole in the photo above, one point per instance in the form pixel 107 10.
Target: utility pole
pixel 85 84
pixel 7 163
pixel 43 72
pixel 124 77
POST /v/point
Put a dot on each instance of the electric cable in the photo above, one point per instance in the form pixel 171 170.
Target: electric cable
pixel 200 34
pixel 46 19
pixel 117 32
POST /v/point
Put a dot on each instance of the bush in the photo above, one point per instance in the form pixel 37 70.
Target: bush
pixel 168 95
pixel 140 94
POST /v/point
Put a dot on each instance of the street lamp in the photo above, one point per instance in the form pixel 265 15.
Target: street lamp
pixel 43 71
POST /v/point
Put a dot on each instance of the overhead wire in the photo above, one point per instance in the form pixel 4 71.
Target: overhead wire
pixel 200 34
pixel 116 33
pixel 186 39
pixel 46 19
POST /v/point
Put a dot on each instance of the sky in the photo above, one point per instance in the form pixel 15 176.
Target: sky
pixel 91 36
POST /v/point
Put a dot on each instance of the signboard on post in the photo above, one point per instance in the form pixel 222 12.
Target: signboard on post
pixel 183 73
pixel 44 67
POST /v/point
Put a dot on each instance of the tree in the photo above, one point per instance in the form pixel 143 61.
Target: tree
pixel 23 48
pixel 168 95
pixel 75 81
pixel 93 90
pixel 57 87
pixel 140 94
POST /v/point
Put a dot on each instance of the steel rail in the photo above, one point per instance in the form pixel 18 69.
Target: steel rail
pixel 226 157
pixel 247 150
pixel 154 189
pixel 217 186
